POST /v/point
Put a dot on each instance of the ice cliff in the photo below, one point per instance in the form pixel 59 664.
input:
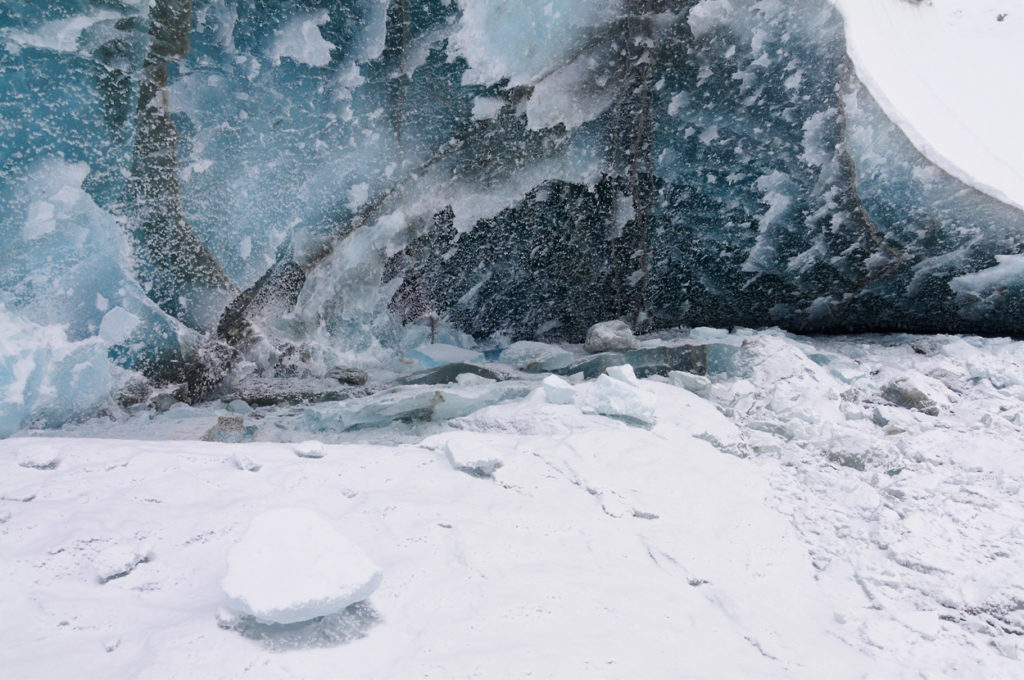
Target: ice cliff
pixel 285 186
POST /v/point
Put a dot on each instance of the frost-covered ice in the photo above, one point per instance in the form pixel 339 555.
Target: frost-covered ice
pixel 293 565
pixel 40 457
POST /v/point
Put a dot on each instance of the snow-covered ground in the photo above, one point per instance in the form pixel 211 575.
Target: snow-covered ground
pixel 949 73
pixel 815 508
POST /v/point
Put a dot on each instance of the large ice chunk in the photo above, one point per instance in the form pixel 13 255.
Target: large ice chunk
pixel 536 356
pixel 292 565
pixel 617 398
pixel 557 390
pixel 439 354
pixel 412 403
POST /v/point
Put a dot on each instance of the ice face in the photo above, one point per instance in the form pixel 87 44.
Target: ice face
pixel 348 173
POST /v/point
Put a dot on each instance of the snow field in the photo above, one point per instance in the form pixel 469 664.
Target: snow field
pixel 795 523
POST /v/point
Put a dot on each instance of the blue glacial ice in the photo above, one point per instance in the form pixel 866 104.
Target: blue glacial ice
pixel 197 188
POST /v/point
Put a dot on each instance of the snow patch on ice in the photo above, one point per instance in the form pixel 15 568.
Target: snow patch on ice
pixel 301 41
pixel 944 70
pixel 59 35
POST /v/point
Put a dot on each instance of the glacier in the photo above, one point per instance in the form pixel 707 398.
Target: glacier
pixel 226 185
pixel 511 338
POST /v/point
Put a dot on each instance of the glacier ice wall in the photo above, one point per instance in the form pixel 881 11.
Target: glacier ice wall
pixel 209 182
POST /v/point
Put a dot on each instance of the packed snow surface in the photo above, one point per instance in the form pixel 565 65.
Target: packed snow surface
pixel 842 508
pixel 292 565
pixel 948 73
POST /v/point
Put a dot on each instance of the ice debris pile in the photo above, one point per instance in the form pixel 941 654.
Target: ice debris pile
pixel 201 196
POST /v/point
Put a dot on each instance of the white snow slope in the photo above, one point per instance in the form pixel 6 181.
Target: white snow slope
pixel 793 523
pixel 950 73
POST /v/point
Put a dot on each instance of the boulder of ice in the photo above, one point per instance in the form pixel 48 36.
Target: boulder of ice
pixel 558 390
pixel 239 406
pixel 309 449
pixel 610 336
pixel 536 356
pixel 608 396
pixel 47 379
pixel 292 565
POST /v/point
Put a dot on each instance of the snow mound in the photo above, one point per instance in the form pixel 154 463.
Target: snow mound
pixel 292 565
